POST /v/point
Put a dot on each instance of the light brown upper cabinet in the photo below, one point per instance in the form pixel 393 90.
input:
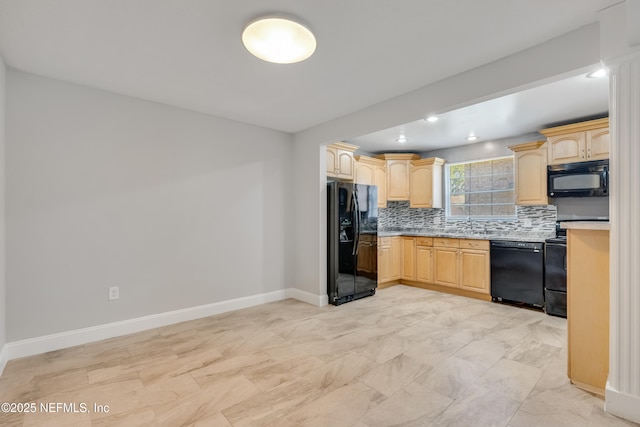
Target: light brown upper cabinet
pixel 340 162
pixel 530 161
pixel 425 183
pixel 398 169
pixel 578 142
pixel 372 171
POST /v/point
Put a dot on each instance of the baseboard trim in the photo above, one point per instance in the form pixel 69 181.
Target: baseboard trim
pixel 4 358
pixel 43 344
pixel 308 297
pixel 622 404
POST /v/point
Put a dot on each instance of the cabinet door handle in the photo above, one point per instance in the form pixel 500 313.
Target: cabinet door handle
pixel 589 153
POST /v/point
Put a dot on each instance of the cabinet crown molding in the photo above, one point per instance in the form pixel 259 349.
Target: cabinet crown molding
pixel 576 127
pixel 398 156
pixel 428 161
pixel 344 146
pixel 370 160
pixel 533 145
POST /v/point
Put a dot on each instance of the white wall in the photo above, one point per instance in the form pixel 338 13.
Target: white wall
pixel 178 209
pixel 310 219
pixel 3 304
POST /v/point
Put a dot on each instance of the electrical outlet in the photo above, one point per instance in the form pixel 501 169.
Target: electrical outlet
pixel 114 292
pixel 527 223
pixel 436 220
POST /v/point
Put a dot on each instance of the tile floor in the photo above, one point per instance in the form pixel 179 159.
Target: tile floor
pixel 406 356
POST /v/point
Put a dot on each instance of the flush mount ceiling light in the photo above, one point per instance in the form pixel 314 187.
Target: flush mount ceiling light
pixel 472 137
pixel 401 139
pixel 279 40
pixel 433 119
pixel 597 74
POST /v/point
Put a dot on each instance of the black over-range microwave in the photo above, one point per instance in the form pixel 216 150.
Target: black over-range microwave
pixel 581 179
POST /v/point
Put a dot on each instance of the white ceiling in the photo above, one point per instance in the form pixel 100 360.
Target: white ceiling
pixel 188 53
pixel 512 115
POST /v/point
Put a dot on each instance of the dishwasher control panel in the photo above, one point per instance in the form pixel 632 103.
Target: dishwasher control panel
pixel 533 246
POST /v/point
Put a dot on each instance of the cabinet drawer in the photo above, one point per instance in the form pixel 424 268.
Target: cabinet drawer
pixel 424 241
pixel 384 241
pixel 474 244
pixel 444 242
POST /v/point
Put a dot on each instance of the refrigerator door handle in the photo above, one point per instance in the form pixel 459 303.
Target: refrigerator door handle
pixel 356 237
pixel 354 222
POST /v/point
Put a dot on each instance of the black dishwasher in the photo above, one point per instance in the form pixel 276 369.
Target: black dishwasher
pixel 517 272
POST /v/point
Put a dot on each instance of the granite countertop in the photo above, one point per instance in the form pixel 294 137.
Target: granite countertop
pixel 519 237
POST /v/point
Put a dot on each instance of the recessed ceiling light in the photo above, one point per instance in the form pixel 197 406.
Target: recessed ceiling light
pixel 433 119
pixel 279 40
pixel 472 137
pixel 597 74
pixel 401 139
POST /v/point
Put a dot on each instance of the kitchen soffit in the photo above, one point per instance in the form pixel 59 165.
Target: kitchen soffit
pixel 190 54
pixel 517 114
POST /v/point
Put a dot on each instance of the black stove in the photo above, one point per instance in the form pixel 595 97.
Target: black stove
pixel 557 239
pixel 561 235
pixel 555 270
pixel 555 273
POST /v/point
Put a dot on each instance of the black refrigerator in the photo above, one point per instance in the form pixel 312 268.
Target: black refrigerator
pixel 352 236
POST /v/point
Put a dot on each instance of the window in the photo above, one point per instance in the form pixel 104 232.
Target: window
pixel 482 189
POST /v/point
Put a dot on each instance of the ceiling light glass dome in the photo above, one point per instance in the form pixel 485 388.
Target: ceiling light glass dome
pixel 279 40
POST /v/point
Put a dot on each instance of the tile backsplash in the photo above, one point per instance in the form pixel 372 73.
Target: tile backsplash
pixel 398 215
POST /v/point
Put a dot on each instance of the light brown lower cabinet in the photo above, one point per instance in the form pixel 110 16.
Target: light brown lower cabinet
pixel 409 258
pixel 462 265
pixel 384 259
pixel 389 259
pixel 475 267
pixel 445 261
pixel 588 308
pixel 396 258
pixel 424 259
pixel 367 255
